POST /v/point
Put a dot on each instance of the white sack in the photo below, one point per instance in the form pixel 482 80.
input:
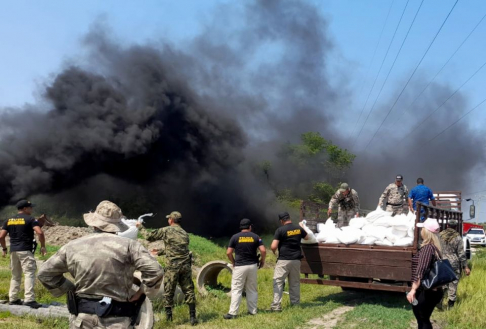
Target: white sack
pixel 410 232
pixel 379 232
pixel 132 232
pixel 384 242
pixel 320 227
pixel 358 222
pixel 404 242
pixel 383 221
pixel 399 233
pixel 311 238
pixel 347 236
pixel 367 240
pixel 400 222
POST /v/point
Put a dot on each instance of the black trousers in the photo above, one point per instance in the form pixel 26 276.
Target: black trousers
pixel 427 300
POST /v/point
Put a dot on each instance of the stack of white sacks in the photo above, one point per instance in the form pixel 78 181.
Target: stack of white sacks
pixel 378 228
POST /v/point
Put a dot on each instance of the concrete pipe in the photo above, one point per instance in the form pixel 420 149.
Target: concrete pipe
pixel 208 275
pixel 178 295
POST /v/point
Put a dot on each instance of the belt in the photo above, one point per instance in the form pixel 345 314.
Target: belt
pixel 92 306
pixel 394 204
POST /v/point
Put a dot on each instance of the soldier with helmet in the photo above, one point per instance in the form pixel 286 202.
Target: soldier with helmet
pixel 396 196
pixel 178 270
pixel 348 204
pixel 102 266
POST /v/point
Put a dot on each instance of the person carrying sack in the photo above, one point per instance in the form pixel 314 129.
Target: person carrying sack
pixel 427 267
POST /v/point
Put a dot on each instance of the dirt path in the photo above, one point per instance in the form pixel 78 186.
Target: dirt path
pixel 329 320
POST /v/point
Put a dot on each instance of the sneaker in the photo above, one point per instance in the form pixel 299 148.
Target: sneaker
pixel 33 304
pixel 15 302
pixel 229 316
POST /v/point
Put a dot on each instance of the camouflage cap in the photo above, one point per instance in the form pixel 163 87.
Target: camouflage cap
pixel 107 217
pixel 452 222
pixel 343 187
pixel 174 215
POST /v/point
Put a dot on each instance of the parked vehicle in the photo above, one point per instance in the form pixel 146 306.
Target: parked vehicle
pixel 476 236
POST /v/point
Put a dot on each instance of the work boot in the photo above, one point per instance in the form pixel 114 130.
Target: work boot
pixel 229 316
pixel 168 314
pixel 15 302
pixel 192 313
pixel 33 304
pixel 450 303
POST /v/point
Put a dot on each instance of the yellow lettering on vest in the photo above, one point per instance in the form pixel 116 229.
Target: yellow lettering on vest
pixel 293 232
pixel 245 239
pixel 16 221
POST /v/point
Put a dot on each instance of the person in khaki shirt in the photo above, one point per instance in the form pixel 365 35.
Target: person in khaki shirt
pixel 102 265
pixel 20 229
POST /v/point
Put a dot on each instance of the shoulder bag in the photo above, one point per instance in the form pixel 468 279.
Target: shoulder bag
pixel 440 274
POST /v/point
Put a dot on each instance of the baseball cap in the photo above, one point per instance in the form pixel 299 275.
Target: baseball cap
pixel 245 223
pixel 23 204
pixel 399 177
pixel 343 187
pixel 174 215
pixel 430 224
pixel 452 222
pixel 283 215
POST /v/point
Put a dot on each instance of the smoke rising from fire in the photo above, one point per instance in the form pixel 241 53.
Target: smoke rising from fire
pixel 181 127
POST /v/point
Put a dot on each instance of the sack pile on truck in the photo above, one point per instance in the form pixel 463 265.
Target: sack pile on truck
pixel 377 228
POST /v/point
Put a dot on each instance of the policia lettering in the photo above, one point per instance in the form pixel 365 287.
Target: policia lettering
pixel 293 232
pixel 15 221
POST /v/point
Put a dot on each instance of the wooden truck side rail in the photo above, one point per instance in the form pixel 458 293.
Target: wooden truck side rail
pixel 365 266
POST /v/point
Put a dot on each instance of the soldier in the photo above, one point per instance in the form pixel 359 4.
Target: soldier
pixel 396 195
pixel 178 270
pixel 21 228
pixel 287 240
pixel 102 265
pixel 453 250
pixel 245 245
pixel 348 202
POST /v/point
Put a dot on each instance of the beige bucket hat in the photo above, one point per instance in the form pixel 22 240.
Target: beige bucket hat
pixel 107 217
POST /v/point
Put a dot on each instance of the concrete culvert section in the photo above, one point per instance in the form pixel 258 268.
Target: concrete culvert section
pixel 208 275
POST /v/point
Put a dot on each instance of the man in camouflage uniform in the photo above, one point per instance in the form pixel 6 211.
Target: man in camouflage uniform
pixel 348 202
pixel 178 270
pixel 453 250
pixel 396 195
pixel 102 265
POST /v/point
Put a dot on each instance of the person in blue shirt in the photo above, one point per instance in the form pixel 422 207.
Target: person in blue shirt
pixel 420 193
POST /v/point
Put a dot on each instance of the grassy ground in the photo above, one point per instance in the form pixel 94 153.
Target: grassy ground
pixel 369 309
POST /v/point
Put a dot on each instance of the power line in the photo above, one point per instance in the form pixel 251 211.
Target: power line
pixel 443 66
pixel 432 113
pixel 413 73
pixel 369 67
pixel 379 70
pixel 462 117
pixel 389 71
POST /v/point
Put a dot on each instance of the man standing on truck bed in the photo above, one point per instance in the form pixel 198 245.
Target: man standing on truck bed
pixel 420 193
pixel 396 195
pixel 348 202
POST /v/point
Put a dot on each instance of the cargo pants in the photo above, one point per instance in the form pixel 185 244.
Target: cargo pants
pixel 451 288
pixel 92 321
pixel 344 216
pixel 284 269
pixel 22 261
pixel 244 278
pixel 401 209
pixel 181 275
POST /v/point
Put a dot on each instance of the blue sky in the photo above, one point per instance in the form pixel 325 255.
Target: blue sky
pixel 38 37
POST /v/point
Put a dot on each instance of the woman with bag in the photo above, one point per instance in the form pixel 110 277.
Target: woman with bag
pixel 424 300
